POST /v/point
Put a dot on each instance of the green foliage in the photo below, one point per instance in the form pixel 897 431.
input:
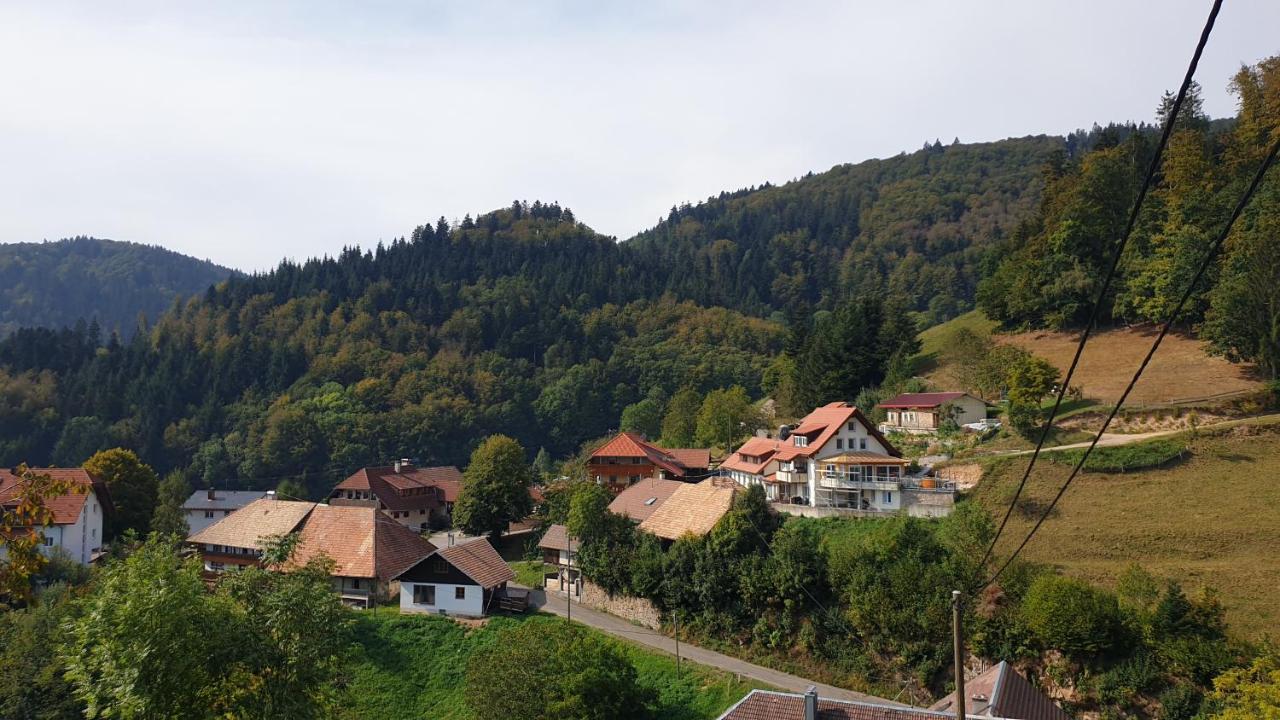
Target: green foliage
pixel 290 489
pixel 1249 693
pixel 132 486
pixel 81 437
pixel 725 416
pixel 168 518
pixel 645 416
pixel 1073 616
pixel 1125 458
pixel 554 670
pixel 853 348
pixel 495 488
pixel 680 423
pixel 31 674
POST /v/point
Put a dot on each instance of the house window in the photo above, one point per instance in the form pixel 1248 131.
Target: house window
pixel 635 478
pixel 635 461
pixel 424 594
pixel 459 593
pixel 208 513
pixel 226 513
pixel 48 541
pixel 862 443
pixel 886 497
pixel 216 566
pixel 355 583
pixel 801 441
pixel 839 444
pixel 852 427
pixel 440 566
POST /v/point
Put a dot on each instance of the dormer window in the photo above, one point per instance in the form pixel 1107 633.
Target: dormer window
pixel 801 441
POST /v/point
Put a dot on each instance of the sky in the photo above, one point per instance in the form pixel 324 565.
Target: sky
pixel 250 132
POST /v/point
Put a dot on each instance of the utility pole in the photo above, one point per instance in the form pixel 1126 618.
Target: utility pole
pixel 677 616
pixel 958 638
pixel 568 608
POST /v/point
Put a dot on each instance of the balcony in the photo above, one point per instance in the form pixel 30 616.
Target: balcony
pixel 834 481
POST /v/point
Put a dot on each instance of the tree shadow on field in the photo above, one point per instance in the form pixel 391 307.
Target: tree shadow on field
pixel 1030 509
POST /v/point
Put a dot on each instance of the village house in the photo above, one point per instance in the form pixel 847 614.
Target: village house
pixel 998 694
pixel 629 458
pixel 693 509
pixel 78 515
pixel 641 500
pixel 788 466
pixel 236 541
pixel 559 549
pixel 922 413
pixel 206 507
pixel 468 580
pixel 410 495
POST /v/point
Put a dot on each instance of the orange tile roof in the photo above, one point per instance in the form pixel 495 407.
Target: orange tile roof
pixel 384 482
pixel 641 500
pixel 362 542
pixel 677 461
pixel 922 400
pixel 66 507
pixel 822 424
pixel 251 525
pixel 479 561
pixel 757 447
pixel 692 508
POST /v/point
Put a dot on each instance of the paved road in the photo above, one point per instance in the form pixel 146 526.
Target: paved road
pixel 644 636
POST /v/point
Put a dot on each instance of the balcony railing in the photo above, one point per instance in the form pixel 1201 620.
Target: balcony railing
pixel 843 482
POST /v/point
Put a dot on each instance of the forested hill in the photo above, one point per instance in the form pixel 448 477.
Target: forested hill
pixel 916 224
pixel 52 284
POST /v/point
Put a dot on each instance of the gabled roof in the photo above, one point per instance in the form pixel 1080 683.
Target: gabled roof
pixel 479 561
pixel 222 499
pixel 252 524
pixel 756 447
pixel 385 481
pixel 822 424
pixel 1002 692
pixel 641 500
pixel 692 509
pixel 362 542
pixel 67 507
pixel 556 538
pixel 677 461
pixel 769 705
pixel 922 400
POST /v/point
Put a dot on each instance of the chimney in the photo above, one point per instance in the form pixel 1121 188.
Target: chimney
pixel 811 703
pixel 211 497
pixel 271 495
pixel 397 466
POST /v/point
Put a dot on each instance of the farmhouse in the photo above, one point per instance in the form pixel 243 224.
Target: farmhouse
pixel 629 458
pixel 237 540
pixel 206 507
pixel 410 495
pixel 465 580
pixel 693 509
pixel 78 515
pixel 919 413
pixel 641 500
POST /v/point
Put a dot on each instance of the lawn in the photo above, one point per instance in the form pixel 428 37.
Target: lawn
pixel 415 666
pixel 1205 520
pixel 529 573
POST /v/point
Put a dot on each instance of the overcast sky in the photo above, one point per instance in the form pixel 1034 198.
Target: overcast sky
pixel 246 134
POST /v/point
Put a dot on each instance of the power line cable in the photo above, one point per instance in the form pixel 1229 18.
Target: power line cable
pixel 1164 330
pixel 1111 271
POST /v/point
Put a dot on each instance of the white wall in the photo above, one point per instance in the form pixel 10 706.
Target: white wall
pixel 472 604
pixel 196 521
pixel 850 440
pixel 969 410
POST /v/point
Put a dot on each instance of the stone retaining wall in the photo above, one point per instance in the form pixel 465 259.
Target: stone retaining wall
pixel 637 610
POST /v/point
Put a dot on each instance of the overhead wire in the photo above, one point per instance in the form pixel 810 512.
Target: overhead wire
pixel 1099 302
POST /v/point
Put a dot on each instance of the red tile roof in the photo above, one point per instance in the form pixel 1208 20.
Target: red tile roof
pixel 66 508
pixel 443 484
pixel 921 400
pixel 640 501
pixel 822 424
pixel 362 542
pixel 756 447
pixel 677 461
pixel 480 562
pixel 767 705
pixel 1002 692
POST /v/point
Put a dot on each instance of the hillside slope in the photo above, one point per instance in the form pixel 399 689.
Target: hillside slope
pixel 55 284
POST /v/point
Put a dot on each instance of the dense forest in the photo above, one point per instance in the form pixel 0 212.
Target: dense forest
pixel 524 321
pixel 56 284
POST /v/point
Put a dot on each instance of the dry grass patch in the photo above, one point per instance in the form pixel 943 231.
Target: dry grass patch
pixel 1210 520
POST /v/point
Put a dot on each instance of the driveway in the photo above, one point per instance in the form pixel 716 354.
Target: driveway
pixel 618 627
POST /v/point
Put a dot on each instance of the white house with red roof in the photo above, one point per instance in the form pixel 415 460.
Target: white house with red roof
pixel 791 467
pixel 920 413
pixel 78 516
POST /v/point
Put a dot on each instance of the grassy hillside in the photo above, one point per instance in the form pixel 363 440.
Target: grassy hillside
pixel 1181 371
pixel 1207 521
pixel 415 666
pixel 54 284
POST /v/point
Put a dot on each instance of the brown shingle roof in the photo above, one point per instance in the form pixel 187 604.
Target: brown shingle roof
pixel 253 523
pixel 479 561
pixel 767 705
pixel 922 400
pixel 67 507
pixel 1002 692
pixel 641 500
pixel 692 509
pixel 444 481
pixel 556 538
pixel 677 461
pixel 362 542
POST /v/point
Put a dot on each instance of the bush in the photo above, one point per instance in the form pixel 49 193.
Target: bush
pixel 1073 616
pixel 1123 458
pixel 1180 702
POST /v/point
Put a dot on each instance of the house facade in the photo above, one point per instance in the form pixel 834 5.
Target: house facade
pixel 629 458
pixel 410 495
pixel 791 467
pixel 78 515
pixel 236 541
pixel 922 413
pixel 206 507
pixel 560 550
pixel 464 580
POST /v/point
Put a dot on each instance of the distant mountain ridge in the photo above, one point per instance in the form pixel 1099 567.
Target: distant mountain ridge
pixel 56 284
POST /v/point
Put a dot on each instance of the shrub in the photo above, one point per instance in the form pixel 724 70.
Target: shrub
pixel 1073 616
pixel 1180 702
pixel 1123 458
